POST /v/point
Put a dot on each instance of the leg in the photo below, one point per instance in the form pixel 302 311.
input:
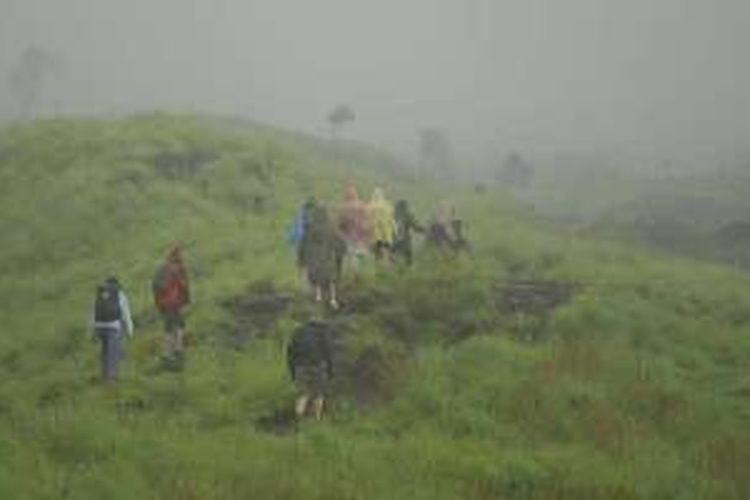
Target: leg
pixel 318 404
pixel 332 291
pixel 300 405
pixel 377 250
pixel 169 342
pixel 103 354
pixel 179 339
pixel 110 354
pixel 115 354
pixel 168 334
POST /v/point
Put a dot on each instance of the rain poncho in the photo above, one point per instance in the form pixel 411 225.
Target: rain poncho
pixel 297 229
pixel 321 250
pixel 352 219
pixel 381 218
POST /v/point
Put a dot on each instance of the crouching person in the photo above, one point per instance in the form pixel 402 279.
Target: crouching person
pixel 310 361
pixel 111 317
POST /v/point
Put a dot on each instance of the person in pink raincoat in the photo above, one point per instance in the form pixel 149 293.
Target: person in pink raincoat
pixel 353 223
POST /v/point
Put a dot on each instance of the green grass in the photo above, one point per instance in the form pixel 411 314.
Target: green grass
pixel 637 388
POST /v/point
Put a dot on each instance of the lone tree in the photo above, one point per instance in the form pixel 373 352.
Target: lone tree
pixel 436 153
pixel 28 77
pixel 339 116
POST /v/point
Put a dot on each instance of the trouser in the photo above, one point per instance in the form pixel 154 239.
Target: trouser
pixel 174 324
pixel 381 249
pixel 403 249
pixel 111 352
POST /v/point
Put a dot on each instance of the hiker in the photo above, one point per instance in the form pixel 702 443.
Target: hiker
pixel 382 222
pixel 171 295
pixel 310 363
pixel 445 230
pixel 457 239
pixel 297 231
pixel 458 242
pixel 353 224
pixel 405 224
pixel 438 234
pixel 322 253
pixel 111 317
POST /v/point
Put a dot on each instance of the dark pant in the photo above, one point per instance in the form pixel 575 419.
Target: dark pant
pixel 111 351
pixel 402 248
pixel 381 249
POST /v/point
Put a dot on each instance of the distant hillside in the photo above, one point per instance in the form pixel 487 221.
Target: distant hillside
pixel 545 364
pixel 693 214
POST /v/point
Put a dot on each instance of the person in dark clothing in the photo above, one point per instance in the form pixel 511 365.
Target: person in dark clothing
pixel 111 317
pixel 458 242
pixel 405 224
pixel 310 363
pixel 321 254
pixel 445 230
pixel 438 235
pixel 297 232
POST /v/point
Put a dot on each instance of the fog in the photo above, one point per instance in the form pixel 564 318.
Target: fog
pixel 657 78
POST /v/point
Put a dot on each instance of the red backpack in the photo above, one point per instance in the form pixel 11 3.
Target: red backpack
pixel 170 288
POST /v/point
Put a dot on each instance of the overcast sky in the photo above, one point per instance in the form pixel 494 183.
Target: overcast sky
pixel 658 76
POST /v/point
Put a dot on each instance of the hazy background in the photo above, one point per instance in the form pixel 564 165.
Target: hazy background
pixel 646 78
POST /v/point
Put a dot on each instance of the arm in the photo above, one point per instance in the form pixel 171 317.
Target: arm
pixel 290 360
pixel 415 224
pixel 127 319
pixel 185 284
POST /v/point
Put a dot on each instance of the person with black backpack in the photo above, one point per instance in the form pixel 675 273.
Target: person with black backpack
pixel 406 223
pixel 111 317
pixel 310 363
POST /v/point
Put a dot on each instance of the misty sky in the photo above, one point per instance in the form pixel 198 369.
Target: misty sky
pixel 664 77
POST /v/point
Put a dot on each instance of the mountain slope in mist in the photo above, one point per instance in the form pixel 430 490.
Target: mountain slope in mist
pixel 463 377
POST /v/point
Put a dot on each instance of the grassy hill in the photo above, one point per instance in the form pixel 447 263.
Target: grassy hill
pixel 459 378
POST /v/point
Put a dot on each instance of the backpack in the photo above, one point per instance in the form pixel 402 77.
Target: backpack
pixel 311 345
pixel 167 289
pixel 107 303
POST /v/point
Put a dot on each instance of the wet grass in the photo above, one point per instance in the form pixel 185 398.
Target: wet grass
pixel 634 386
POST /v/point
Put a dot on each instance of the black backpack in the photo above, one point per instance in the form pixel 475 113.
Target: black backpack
pixel 311 344
pixel 107 303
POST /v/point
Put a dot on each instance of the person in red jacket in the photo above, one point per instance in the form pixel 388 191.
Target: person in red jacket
pixel 171 297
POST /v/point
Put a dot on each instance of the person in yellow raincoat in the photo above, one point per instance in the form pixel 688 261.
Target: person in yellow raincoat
pixel 382 224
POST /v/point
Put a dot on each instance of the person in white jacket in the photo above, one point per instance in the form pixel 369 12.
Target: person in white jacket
pixel 111 318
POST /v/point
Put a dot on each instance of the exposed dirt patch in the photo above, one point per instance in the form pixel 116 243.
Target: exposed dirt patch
pixel 371 378
pixel 533 297
pixel 255 312
pixel 529 304
pixel 280 421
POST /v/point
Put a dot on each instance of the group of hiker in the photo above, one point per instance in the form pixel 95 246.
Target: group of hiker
pixel 325 236
pixel 112 318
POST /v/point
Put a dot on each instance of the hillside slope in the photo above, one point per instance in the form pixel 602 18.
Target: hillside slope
pixel 541 366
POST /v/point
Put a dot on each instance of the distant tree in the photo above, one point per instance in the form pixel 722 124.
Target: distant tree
pixel 28 78
pixel 436 153
pixel 516 171
pixel 339 116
